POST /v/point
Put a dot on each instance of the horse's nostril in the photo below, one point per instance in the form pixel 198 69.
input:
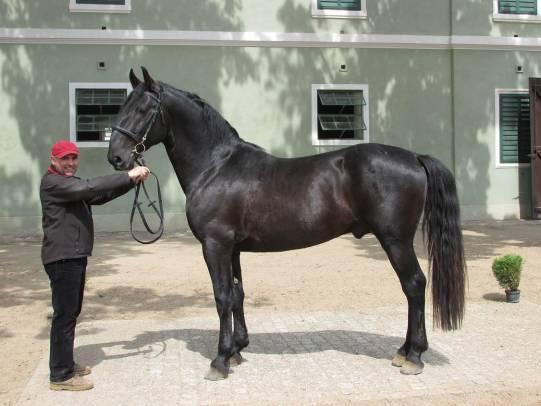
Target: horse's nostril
pixel 117 160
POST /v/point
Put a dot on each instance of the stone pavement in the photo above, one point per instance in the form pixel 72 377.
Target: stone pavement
pixel 300 359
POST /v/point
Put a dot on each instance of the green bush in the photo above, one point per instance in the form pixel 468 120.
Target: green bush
pixel 507 270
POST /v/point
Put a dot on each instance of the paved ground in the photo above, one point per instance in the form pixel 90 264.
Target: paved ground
pixel 302 358
pixel 324 323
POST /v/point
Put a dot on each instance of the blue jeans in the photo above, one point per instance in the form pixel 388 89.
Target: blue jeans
pixel 67 285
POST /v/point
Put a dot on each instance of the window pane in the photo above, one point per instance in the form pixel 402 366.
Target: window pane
pixel 514 128
pixel 100 96
pixel 114 2
pixel 341 98
pixel 340 114
pixel 517 7
pixel 341 122
pixel 96 111
pixel 339 5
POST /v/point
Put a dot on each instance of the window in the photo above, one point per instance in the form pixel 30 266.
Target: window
pixel 517 10
pixel 339 114
pixel 513 127
pixel 339 8
pixel 101 6
pixel 93 110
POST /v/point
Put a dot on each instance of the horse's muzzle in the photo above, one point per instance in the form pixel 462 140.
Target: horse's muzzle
pixel 120 154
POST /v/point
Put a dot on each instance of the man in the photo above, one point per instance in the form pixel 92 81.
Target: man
pixel 68 238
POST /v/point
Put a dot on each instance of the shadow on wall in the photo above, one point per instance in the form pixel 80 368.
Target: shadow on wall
pixel 37 94
pixel 392 76
pixel 29 77
pixel 410 95
pixel 429 101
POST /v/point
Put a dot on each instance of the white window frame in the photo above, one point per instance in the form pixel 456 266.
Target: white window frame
pixel 73 86
pixel 338 142
pixel 100 8
pixel 317 13
pixel 499 164
pixel 522 18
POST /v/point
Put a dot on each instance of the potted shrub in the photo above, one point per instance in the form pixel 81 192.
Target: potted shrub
pixel 507 270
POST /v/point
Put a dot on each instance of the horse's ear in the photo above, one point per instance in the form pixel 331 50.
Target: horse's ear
pixel 134 80
pixel 150 84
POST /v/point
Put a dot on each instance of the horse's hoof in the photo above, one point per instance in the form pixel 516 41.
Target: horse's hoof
pixel 399 360
pixel 236 360
pixel 410 368
pixel 214 375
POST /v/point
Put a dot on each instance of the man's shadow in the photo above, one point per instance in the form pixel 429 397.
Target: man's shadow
pixel 152 344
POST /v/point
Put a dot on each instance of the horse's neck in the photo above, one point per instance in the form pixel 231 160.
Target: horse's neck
pixel 194 150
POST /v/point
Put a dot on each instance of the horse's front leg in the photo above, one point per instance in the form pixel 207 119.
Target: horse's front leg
pixel 240 334
pixel 217 253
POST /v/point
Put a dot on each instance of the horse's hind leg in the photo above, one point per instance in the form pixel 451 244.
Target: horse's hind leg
pixel 404 261
pixel 240 333
pixel 217 255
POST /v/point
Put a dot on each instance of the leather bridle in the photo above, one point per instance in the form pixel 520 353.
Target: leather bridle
pixel 138 151
pixel 140 147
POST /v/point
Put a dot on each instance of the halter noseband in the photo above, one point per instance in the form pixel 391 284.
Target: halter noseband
pixel 140 147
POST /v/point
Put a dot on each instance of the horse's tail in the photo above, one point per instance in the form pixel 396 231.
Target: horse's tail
pixel 443 236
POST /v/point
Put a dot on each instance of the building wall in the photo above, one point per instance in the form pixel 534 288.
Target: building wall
pixel 431 68
pixel 486 190
pixel 385 16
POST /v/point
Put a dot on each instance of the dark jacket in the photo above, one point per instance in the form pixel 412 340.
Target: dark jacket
pixel 68 229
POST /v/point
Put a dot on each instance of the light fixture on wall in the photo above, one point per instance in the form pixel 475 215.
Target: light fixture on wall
pixel 101 65
pixel 519 69
pixel 343 67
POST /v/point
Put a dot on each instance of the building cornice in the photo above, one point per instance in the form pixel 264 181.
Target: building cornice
pixel 262 39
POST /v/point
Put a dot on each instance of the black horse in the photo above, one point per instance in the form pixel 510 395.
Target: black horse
pixel 240 198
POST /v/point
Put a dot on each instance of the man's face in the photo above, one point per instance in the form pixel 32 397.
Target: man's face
pixel 67 165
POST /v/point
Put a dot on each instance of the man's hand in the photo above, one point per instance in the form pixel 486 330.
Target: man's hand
pixel 139 174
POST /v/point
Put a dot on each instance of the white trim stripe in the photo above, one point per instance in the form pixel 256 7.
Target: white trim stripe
pixel 262 39
pixel 217 38
pixel 495 43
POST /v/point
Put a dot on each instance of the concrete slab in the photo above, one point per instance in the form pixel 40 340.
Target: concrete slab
pixel 300 359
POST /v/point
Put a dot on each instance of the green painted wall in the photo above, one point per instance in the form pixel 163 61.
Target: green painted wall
pixel 485 190
pixel 474 17
pixel 264 92
pixel 440 102
pixel 385 16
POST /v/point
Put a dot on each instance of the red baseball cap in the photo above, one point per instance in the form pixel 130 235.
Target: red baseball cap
pixel 64 147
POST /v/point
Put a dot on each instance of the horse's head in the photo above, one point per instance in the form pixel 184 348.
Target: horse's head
pixel 140 123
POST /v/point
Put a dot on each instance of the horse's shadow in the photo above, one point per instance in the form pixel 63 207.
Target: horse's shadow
pixel 151 344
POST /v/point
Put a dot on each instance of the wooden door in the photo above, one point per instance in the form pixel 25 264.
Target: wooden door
pixel 535 155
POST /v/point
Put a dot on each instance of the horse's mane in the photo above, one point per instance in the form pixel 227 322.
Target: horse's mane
pixel 216 125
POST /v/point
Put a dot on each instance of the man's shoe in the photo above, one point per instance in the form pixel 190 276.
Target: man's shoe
pixel 76 383
pixel 81 370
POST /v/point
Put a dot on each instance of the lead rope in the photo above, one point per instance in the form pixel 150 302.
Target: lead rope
pixel 152 203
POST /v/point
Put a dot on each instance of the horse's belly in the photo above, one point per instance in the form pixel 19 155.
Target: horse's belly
pixel 275 244
pixel 292 234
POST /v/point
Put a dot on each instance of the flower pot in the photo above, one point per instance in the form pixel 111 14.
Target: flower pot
pixel 512 296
